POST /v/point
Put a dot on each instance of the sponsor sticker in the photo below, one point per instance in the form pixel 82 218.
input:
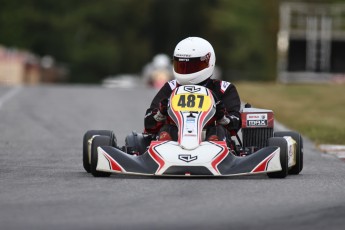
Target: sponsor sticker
pixel 257 120
pixel 224 85
pixel 190 119
pixel 183 55
pixel 187 157
pixel 192 88
pixel 190 124
pixel 172 84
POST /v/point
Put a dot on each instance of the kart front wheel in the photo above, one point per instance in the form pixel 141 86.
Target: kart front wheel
pixel 282 144
pixel 86 151
pixel 137 143
pixel 297 168
pixel 97 142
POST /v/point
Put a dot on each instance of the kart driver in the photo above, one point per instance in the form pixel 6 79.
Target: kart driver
pixel 193 64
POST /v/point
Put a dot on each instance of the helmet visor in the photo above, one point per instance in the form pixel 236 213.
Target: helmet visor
pixel 185 65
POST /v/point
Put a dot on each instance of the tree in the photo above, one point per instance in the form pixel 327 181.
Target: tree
pixel 99 38
pixel 246 36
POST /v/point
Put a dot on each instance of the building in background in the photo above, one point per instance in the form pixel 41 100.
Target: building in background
pixel 311 42
pixel 21 67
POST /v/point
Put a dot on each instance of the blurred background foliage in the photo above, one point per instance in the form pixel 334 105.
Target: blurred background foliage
pixel 107 37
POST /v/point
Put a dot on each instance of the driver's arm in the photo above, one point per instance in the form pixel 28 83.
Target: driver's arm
pixel 232 105
pixel 153 121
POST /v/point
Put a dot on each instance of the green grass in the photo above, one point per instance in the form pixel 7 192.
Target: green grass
pixel 316 111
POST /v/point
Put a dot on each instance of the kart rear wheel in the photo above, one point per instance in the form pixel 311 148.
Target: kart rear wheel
pixel 87 136
pixel 97 142
pixel 296 169
pixel 282 144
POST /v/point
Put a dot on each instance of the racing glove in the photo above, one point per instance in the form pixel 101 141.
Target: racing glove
pixel 220 115
pixel 220 110
pixel 162 110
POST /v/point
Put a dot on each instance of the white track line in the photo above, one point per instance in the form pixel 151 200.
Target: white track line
pixel 9 95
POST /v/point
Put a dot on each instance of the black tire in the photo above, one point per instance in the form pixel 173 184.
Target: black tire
pixel 296 169
pixel 97 142
pixel 87 136
pixel 137 143
pixel 282 143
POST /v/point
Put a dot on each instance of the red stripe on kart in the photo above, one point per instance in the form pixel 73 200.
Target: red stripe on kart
pixel 156 157
pixel 224 152
pixel 178 115
pixel 203 116
pixel 113 164
pixel 262 166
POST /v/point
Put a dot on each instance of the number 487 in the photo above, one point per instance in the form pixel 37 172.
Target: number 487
pixel 190 102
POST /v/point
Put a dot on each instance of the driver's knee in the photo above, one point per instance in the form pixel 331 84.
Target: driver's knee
pixel 215 133
pixel 168 133
pixel 164 136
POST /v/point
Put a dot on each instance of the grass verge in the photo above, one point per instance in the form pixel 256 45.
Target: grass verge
pixel 316 111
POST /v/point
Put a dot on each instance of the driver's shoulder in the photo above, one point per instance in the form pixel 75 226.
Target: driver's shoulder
pixel 220 85
pixel 171 84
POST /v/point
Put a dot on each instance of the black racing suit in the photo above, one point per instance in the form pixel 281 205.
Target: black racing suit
pixel 223 90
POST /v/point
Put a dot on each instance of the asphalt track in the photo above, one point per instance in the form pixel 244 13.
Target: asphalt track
pixel 43 184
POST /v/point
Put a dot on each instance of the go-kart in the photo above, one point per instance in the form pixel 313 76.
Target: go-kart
pixel 260 150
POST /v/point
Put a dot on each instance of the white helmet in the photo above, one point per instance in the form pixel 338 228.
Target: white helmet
pixel 194 61
pixel 161 61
